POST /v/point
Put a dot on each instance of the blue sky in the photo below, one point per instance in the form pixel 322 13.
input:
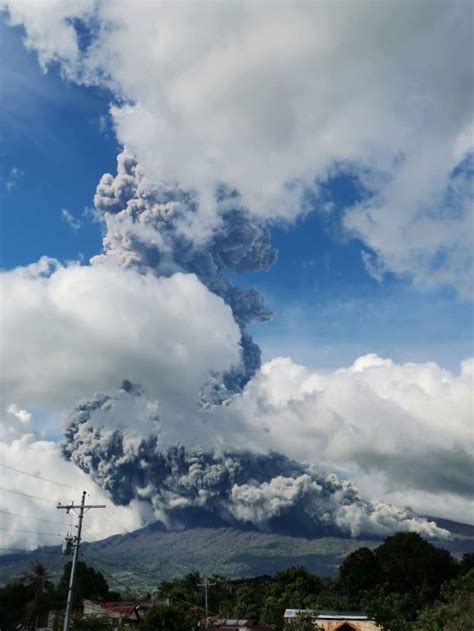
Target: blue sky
pixel 56 141
pixel 364 114
pixel 50 130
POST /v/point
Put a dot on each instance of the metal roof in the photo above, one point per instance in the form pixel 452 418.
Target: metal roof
pixel 327 614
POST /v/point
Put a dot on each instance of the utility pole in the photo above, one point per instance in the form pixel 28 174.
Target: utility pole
pixel 79 510
pixel 206 586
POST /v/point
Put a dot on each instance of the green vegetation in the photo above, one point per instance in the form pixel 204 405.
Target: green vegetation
pixel 90 583
pixel 171 618
pixel 31 598
pixel 302 622
pixel 165 554
pixel 229 552
pixel 406 584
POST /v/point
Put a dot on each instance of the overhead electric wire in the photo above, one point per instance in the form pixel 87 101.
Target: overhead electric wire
pixel 126 530
pixel 137 572
pixel 32 532
pixel 154 578
pixel 43 499
pixel 97 534
pixel 132 534
pixel 101 536
pixel 97 565
pixel 38 550
pixel 50 521
pixel 38 477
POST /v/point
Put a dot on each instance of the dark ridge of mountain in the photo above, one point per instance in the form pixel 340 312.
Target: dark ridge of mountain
pixel 145 557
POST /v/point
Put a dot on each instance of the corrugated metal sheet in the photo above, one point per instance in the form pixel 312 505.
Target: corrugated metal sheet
pixel 326 615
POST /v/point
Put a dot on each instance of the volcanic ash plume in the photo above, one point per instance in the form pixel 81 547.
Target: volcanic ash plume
pixel 215 487
pixel 150 227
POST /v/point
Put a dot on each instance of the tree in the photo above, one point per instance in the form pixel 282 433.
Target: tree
pixel 187 588
pixel 90 583
pixel 303 622
pixel 467 563
pixel 299 581
pixel 333 597
pixel 454 611
pixel 38 579
pixel 411 565
pixel 359 572
pixel 169 618
pixel 247 602
pixel 39 585
pixel 291 588
pixel 13 600
pixel 391 611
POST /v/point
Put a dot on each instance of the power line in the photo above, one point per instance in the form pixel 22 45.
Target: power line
pixel 98 566
pixel 132 534
pixel 126 569
pixel 34 475
pixel 50 521
pixel 94 562
pixel 33 532
pixel 38 550
pixel 138 572
pixel 102 536
pixel 39 477
pixel 155 578
pixel 114 519
pixel 43 499
pixel 80 510
pixel 97 534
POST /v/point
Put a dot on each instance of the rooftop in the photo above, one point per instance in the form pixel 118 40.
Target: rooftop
pixel 326 614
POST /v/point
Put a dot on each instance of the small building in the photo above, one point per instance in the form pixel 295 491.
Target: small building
pixel 335 620
pixel 122 612
pixel 216 623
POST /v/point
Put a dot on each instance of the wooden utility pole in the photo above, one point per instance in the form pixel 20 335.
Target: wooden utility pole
pixel 79 510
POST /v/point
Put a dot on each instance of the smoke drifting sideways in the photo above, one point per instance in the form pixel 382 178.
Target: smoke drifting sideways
pixel 151 227
pixel 195 487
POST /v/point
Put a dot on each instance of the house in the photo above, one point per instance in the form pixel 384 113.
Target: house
pixel 123 612
pixel 336 620
pixel 215 623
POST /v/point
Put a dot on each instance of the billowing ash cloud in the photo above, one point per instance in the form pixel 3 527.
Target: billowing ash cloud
pixel 150 227
pixel 24 446
pixel 192 487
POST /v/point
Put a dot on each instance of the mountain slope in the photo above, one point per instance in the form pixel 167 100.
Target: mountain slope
pixel 146 556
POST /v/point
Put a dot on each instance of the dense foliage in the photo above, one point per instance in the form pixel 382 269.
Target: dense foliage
pixel 31 598
pixel 406 584
pixel 90 583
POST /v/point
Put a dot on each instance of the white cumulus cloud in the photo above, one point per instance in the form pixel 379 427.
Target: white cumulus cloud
pixel 270 97
pixel 400 431
pixel 70 331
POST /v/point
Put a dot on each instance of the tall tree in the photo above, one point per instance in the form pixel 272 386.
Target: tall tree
pixel 359 572
pixel 90 583
pixel 170 618
pixel 38 583
pixel 411 565
pixel 14 598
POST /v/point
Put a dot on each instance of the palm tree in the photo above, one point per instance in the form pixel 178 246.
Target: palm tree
pixel 38 582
